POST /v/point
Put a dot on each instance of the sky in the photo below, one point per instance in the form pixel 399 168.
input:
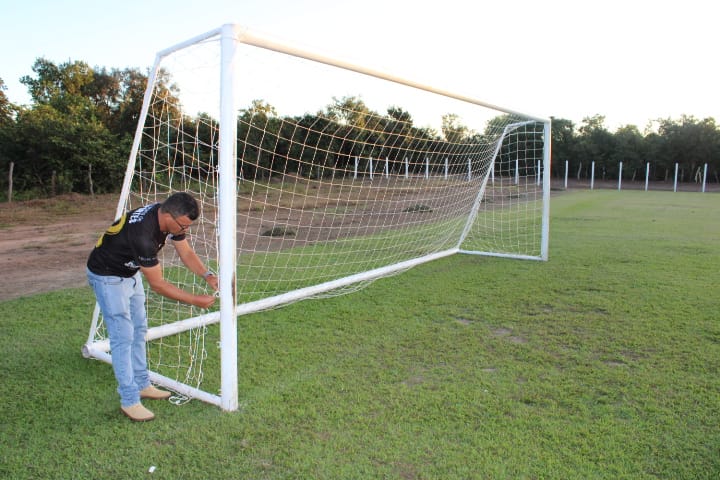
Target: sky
pixel 631 61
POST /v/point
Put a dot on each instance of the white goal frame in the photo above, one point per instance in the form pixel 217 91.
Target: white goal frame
pixel 231 36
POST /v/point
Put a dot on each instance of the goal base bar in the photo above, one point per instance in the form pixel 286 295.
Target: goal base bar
pixel 503 255
pixel 161 380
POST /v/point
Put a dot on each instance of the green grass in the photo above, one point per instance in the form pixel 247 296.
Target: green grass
pixel 599 364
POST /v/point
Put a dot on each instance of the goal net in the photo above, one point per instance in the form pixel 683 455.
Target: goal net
pixel 314 177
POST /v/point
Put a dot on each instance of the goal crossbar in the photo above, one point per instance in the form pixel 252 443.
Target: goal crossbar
pixel 263 41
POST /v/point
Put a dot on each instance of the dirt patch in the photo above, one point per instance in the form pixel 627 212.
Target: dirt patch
pixel 44 244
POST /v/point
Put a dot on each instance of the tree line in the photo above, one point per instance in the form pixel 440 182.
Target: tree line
pixel 688 142
pixel 77 133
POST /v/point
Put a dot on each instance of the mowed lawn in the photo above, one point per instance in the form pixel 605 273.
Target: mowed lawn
pixel 601 363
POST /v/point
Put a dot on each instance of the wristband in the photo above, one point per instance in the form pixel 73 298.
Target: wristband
pixel 207 274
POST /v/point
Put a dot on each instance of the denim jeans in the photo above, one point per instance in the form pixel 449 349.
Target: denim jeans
pixel 122 303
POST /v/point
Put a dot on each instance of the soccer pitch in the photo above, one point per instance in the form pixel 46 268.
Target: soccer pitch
pixel 600 363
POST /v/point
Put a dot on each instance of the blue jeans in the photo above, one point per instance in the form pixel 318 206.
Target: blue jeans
pixel 122 303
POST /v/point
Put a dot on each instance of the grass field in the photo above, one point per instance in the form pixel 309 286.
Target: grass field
pixel 599 364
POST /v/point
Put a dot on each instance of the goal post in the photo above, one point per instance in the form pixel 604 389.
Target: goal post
pixel 227 231
pixel 315 176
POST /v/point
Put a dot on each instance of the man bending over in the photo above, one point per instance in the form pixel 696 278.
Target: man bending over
pixel 129 247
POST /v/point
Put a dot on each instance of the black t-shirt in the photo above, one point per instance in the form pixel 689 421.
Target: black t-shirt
pixel 131 242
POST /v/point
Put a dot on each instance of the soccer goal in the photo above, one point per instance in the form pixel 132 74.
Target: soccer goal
pixel 315 176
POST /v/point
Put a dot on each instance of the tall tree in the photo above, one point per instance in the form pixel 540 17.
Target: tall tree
pixel 6 108
pixel 64 133
pixel 595 144
pixel 125 115
pixel 54 84
pixel 7 135
pixel 690 142
pixel 453 130
pixel 564 144
pixel 58 149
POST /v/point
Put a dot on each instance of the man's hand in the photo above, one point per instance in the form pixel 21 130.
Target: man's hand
pixel 212 280
pixel 203 301
pixel 154 277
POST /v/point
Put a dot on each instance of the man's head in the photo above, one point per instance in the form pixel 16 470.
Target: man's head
pixel 181 204
pixel 182 209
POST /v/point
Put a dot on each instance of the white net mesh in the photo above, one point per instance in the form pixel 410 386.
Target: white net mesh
pixel 338 173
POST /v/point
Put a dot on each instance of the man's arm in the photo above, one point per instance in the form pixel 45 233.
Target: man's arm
pixel 193 262
pixel 154 277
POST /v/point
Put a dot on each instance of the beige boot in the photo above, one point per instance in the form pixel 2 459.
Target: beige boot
pixel 138 413
pixel 153 393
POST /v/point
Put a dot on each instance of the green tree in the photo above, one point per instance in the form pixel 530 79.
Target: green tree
pixel 125 105
pixel 453 130
pixel 63 136
pixel 691 143
pixel 58 151
pixel 595 144
pixel 258 131
pixel 362 131
pixel 631 148
pixel 7 135
pixel 350 111
pixel 105 92
pixel 60 86
pixel 7 109
pixel 399 131
pixel 564 144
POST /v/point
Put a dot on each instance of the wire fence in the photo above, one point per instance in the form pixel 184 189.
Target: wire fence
pixel 705 182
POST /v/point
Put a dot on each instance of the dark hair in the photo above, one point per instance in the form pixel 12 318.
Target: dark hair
pixel 179 204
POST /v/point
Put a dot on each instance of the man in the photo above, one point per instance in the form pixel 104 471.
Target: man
pixel 130 246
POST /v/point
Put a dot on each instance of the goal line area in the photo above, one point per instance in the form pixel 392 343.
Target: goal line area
pixel 314 177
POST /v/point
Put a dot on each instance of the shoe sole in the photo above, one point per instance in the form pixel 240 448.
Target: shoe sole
pixel 137 419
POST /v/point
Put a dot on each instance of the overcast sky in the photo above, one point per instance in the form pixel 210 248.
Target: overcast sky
pixel 631 61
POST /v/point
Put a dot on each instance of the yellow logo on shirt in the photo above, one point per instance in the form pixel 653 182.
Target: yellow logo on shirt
pixel 114 229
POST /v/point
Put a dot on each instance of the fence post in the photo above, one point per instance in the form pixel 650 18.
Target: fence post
pixel 10 179
pixel 90 180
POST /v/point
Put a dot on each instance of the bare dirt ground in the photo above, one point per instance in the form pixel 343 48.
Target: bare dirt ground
pixel 44 243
